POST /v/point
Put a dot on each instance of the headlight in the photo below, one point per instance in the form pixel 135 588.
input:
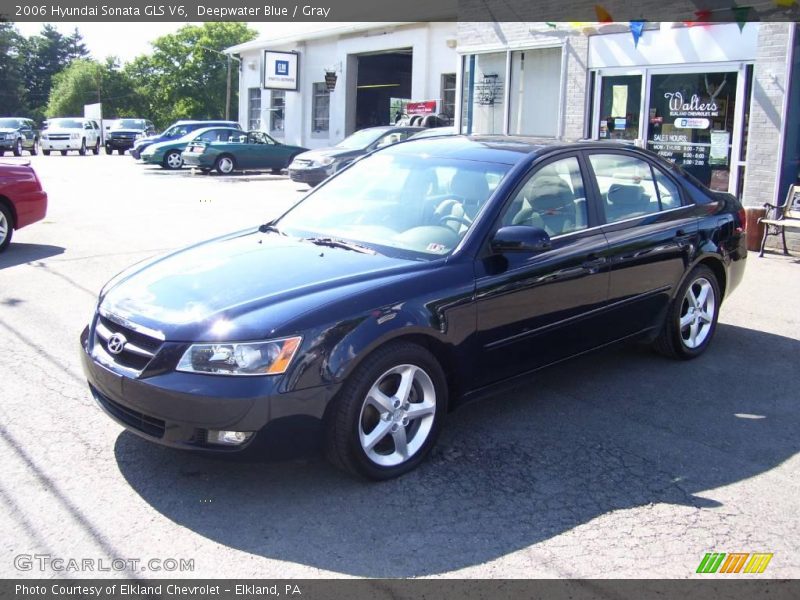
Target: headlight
pixel 252 358
pixel 324 162
pixel 75 136
pixel 138 136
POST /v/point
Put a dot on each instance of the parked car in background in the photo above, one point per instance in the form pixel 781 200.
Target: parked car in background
pixel 125 132
pixel 22 200
pixel 423 276
pixel 251 150
pixel 315 166
pixel 175 131
pixel 71 134
pixel 169 155
pixel 435 132
pixel 18 134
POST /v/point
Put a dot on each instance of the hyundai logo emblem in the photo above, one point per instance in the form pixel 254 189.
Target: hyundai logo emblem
pixel 116 343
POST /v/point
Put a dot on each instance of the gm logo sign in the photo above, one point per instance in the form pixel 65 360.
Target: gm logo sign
pixel 282 67
pixel 734 562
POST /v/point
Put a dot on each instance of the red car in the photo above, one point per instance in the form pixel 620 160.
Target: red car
pixel 22 200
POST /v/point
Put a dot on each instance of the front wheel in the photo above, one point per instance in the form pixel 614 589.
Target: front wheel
pixel 18 148
pixel 6 227
pixel 46 152
pixel 96 149
pixel 173 160
pixel 109 150
pixel 388 414
pixel 64 153
pixel 692 316
pixel 82 150
pixel 35 147
pixel 225 165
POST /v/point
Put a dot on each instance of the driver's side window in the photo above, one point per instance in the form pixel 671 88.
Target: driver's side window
pixel 553 199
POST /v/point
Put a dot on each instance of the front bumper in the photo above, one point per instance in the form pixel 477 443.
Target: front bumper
pixel 60 144
pixel 120 144
pixel 7 145
pixel 152 159
pixel 312 176
pixel 179 409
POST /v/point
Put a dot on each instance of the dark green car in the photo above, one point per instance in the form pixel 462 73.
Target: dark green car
pixel 252 150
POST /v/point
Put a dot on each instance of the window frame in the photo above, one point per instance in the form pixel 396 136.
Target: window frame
pixel 250 108
pixel 319 89
pixel 273 112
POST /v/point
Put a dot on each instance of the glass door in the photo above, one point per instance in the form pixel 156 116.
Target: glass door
pixel 619 110
pixel 691 121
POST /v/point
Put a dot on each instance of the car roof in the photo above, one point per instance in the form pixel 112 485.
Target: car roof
pixel 503 149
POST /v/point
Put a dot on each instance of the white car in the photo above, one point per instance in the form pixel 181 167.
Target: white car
pixel 71 134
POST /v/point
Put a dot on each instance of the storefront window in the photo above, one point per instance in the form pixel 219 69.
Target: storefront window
pixel 448 106
pixel 321 108
pixel 483 93
pixel 276 105
pixel 620 105
pixel 254 108
pixel 690 122
pixel 535 92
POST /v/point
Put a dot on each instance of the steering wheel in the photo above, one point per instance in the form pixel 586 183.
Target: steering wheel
pixel 446 206
pixel 465 220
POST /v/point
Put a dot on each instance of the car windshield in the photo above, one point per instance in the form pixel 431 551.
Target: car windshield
pixel 361 139
pixel 12 123
pixel 398 204
pixel 64 124
pixel 129 124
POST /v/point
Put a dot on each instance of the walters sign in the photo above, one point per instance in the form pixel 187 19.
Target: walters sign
pixel 690 107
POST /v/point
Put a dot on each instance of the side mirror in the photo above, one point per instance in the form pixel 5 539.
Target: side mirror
pixel 520 238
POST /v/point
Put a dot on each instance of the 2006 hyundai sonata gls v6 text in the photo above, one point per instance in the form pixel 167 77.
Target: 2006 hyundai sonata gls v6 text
pixel 419 277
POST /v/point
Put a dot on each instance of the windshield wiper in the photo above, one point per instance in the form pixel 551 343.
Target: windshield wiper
pixel 270 228
pixel 337 243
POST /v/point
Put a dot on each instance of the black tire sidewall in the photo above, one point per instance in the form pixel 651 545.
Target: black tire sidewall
pixel 355 390
pixel 675 313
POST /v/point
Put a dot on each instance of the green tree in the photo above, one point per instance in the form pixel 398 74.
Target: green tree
pixel 12 87
pixel 44 56
pixel 184 77
pixel 86 82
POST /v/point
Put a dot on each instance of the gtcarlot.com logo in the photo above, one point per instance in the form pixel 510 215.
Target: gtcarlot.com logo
pixel 734 562
pixel 58 564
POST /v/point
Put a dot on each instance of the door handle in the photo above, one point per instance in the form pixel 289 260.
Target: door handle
pixel 594 262
pixel 682 237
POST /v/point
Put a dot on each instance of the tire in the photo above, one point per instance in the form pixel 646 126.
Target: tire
pixel 17 148
pixel 109 150
pixel 225 165
pixel 82 150
pixel 63 153
pixel 120 151
pixel 692 317
pixel 362 433
pixel 6 227
pixel 96 149
pixel 35 148
pixel 46 152
pixel 172 160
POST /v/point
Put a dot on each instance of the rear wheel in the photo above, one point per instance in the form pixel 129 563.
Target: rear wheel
pixel 63 153
pixel 173 160
pixel 692 316
pixel 18 148
pixel 120 151
pixel 6 227
pixel 46 152
pixel 225 165
pixel 388 414
pixel 109 150
pixel 96 149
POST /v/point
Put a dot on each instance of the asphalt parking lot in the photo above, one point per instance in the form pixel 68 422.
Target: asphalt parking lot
pixel 621 464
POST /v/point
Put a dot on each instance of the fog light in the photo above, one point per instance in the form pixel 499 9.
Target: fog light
pixel 229 438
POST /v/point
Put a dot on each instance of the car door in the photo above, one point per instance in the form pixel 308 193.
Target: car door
pixel 537 308
pixel 651 231
pixel 28 134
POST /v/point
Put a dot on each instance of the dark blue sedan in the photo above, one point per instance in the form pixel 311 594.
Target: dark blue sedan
pixel 419 277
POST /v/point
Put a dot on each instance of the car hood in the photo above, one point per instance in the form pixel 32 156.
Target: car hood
pixel 113 131
pixel 245 285
pixel 8 130
pixel 333 152
pixel 63 130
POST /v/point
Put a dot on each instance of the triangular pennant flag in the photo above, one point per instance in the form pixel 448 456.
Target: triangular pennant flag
pixel 603 15
pixel 786 3
pixel 550 25
pixel 637 27
pixel 741 13
pixel 703 14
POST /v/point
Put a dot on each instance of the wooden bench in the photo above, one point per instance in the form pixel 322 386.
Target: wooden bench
pixel 780 218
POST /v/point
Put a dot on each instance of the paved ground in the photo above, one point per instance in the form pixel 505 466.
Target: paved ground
pixel 623 464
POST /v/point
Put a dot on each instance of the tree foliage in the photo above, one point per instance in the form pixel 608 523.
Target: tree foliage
pixel 86 82
pixel 185 76
pixel 12 86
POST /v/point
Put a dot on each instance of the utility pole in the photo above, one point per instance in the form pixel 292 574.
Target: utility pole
pixel 228 92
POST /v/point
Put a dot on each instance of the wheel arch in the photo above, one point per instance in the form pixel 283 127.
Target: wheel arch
pixel 10 206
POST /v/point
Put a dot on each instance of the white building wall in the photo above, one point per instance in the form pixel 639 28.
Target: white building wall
pixel 431 58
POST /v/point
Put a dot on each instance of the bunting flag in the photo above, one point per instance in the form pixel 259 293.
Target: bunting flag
pixel 637 28
pixel 603 15
pixel 550 25
pixel 786 3
pixel 741 13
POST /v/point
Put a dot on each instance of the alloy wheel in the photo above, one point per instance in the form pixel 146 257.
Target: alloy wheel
pixel 397 415
pixel 697 313
pixel 5 227
pixel 174 160
pixel 225 165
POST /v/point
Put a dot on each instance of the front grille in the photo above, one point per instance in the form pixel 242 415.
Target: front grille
pixel 140 421
pixel 123 136
pixel 58 136
pixel 138 350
